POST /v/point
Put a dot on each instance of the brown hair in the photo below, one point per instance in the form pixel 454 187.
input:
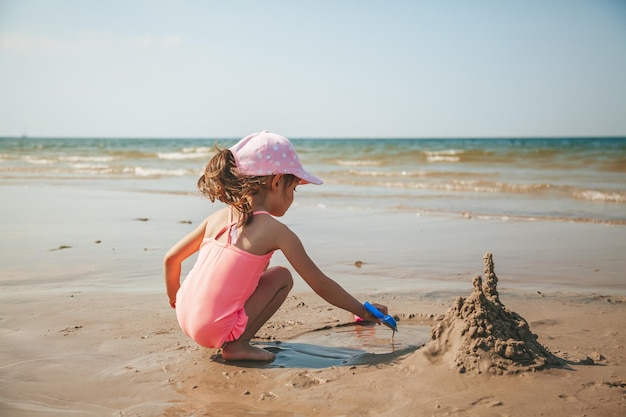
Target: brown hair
pixel 221 180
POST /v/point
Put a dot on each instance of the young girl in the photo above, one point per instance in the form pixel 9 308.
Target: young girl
pixel 230 292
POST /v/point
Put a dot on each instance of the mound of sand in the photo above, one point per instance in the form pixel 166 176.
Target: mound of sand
pixel 478 334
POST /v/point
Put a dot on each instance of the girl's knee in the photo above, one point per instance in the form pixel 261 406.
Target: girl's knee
pixel 280 274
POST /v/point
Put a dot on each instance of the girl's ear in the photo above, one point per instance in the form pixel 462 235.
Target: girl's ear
pixel 276 181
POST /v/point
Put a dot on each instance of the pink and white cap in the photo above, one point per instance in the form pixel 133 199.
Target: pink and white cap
pixel 267 153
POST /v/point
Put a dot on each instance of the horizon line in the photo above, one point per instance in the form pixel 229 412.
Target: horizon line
pixel 319 137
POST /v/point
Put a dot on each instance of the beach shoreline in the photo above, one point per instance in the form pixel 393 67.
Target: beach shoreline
pixel 116 239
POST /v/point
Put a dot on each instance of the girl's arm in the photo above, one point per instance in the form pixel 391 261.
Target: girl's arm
pixel 174 258
pixel 325 287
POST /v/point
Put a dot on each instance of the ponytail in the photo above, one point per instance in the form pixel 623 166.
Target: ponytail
pixel 222 181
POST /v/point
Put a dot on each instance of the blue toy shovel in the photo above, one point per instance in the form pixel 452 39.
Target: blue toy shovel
pixel 386 319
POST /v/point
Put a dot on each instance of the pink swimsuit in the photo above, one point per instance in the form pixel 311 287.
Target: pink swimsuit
pixel 210 302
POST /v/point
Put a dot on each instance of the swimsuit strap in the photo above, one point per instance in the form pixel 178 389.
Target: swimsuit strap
pixel 232 231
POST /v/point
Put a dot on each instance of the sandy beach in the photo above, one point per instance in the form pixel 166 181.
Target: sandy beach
pixel 86 328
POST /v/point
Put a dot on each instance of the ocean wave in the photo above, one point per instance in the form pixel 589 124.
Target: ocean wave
pixel 487 187
pixel 38 160
pixel 71 170
pixel 416 174
pixel 155 172
pixel 358 163
pixel 600 196
pixel 386 173
pixel 178 155
pixel 83 158
pixel 187 153
pixel 90 167
pixel 477 186
pixel 447 155
pixel 199 149
pixel 442 158
pixel 445 152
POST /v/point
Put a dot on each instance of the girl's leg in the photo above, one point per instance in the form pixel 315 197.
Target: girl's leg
pixel 273 288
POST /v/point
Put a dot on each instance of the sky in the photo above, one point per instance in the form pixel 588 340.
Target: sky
pixel 323 68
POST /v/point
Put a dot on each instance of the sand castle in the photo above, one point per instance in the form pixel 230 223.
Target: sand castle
pixel 478 334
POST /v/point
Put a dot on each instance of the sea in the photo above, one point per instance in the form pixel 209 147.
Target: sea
pixel 560 179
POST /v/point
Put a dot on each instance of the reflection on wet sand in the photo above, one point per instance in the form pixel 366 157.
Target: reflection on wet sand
pixel 343 345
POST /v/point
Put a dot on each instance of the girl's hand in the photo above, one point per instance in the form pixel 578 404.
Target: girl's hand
pixel 173 303
pixel 370 317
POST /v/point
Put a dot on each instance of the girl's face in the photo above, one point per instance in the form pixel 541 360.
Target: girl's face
pixel 284 194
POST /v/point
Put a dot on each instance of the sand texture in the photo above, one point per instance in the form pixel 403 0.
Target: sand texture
pixel 94 354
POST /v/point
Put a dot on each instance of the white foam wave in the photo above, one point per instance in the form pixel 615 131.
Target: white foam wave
pixel 445 152
pixel 86 158
pixel 358 163
pixel 198 149
pixel 83 166
pixel 388 173
pixel 447 155
pixel 38 161
pixel 154 172
pixel 176 155
pixel 187 153
pixel 442 158
pixel 604 197
pixel 464 186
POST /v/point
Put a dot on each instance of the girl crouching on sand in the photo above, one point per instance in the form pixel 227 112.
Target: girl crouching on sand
pixel 230 292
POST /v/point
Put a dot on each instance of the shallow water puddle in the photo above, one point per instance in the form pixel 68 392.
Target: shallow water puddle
pixel 352 344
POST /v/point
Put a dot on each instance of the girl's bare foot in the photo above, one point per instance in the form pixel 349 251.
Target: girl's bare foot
pixel 243 351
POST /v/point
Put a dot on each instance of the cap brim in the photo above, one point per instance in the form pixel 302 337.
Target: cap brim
pixel 308 178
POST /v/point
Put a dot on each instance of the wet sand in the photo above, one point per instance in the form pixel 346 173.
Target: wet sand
pixel 86 328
